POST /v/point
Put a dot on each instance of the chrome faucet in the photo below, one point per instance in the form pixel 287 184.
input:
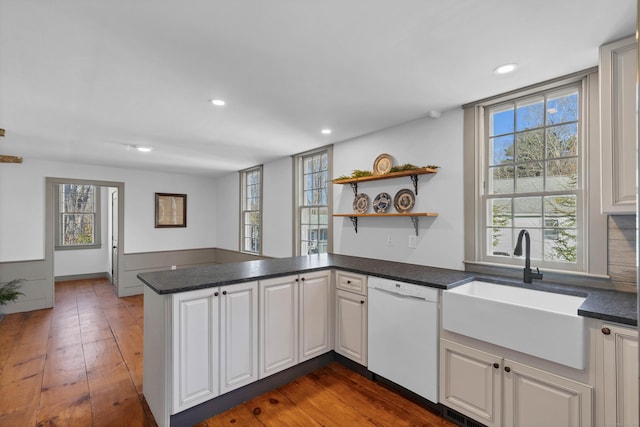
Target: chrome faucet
pixel 528 274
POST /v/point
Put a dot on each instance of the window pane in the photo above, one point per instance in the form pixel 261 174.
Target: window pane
pixel 527 212
pixel 530 145
pixel 501 180
pixel 562 174
pixel 499 241
pixel 562 107
pixel 499 212
pixel 501 150
pixel 501 120
pixel 530 178
pixel 562 140
pixel 560 211
pixel 560 245
pixel 530 114
pixel 77 229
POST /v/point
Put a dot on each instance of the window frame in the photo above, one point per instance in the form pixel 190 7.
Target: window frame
pixel 298 189
pixel 97 224
pixel 243 208
pixel 593 254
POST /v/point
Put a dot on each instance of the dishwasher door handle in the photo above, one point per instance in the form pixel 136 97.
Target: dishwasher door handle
pixel 399 295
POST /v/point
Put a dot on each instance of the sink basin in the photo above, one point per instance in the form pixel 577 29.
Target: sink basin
pixel 542 324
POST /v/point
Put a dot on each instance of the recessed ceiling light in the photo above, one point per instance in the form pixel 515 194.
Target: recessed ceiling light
pixel 325 131
pixel 506 69
pixel 143 148
pixel 218 102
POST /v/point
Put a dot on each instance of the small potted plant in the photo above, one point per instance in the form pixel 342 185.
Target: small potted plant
pixel 9 292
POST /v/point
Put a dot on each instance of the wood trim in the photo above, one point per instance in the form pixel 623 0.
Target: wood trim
pixel 420 171
pixel 10 159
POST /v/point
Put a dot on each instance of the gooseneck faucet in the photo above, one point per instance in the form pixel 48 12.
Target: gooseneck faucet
pixel 528 274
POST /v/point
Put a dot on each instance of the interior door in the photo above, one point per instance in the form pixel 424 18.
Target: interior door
pixel 114 238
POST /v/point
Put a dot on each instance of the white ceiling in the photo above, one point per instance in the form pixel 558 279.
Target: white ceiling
pixel 82 80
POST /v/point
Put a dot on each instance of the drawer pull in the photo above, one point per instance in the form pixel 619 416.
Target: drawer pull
pixel 496 365
pixel 606 331
pixel 348 282
pixel 224 292
pixel 215 294
pixel 361 301
pixel 507 369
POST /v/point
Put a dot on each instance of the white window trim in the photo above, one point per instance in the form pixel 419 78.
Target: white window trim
pixel 243 187
pixel 594 247
pixel 97 244
pixel 297 197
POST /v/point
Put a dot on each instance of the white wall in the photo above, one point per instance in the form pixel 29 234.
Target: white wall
pixel 421 142
pixel 22 207
pixel 87 261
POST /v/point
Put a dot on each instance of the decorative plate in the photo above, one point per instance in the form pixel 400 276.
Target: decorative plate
pixel 361 203
pixel 404 200
pixel 382 203
pixel 382 165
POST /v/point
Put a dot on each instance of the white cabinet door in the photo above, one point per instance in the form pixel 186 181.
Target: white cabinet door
pixel 620 376
pixel 471 382
pixel 316 324
pixel 534 398
pixel 351 326
pixel 278 324
pixel 618 65
pixel 238 335
pixel 195 348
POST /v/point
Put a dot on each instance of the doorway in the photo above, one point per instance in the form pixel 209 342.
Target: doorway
pixel 113 234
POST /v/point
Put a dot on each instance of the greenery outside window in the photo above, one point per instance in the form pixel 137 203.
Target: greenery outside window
pixel 78 217
pixel 251 220
pixel 313 195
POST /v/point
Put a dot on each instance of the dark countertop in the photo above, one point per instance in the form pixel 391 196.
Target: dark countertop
pixel 614 306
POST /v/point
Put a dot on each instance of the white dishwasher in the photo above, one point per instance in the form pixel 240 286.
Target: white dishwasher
pixel 403 335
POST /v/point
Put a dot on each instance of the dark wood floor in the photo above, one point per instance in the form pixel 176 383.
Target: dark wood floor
pixel 80 364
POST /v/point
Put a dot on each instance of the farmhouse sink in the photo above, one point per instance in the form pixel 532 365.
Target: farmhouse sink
pixel 542 324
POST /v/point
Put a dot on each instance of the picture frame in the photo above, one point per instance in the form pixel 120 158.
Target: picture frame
pixel 171 210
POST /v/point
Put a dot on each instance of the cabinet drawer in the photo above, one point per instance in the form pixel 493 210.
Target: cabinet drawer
pixel 352 282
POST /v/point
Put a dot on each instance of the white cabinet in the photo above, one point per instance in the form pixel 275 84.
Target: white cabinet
pixel 316 321
pixel 486 387
pixel 278 324
pixel 620 386
pixel 618 63
pixel 351 321
pixel 471 382
pixel 195 348
pixel 238 335
pixel 533 398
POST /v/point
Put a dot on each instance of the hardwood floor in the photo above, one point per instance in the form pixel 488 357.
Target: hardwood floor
pixel 80 364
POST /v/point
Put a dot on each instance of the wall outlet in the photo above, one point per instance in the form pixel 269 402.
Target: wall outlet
pixel 388 240
pixel 173 267
pixel 413 242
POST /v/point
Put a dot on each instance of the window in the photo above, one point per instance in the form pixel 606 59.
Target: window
pixel 531 151
pixel 78 219
pixel 313 197
pixel 251 221
pixel 532 175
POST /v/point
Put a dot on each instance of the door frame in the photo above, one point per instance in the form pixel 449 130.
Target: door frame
pixel 50 218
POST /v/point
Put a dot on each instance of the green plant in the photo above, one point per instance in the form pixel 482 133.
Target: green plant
pixel 9 291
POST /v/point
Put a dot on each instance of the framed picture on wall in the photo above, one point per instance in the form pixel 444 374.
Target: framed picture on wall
pixel 171 210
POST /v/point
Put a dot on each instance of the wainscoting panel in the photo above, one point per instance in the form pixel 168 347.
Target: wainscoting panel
pixel 37 288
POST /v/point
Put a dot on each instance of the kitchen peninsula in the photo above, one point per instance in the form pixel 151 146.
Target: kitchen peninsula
pixel 226 297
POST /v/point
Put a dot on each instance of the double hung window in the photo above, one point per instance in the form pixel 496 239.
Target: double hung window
pixel 78 216
pixel 251 220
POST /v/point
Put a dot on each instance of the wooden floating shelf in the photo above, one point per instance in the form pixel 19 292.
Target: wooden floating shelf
pixel 421 171
pixel 413 174
pixel 413 215
pixel 390 214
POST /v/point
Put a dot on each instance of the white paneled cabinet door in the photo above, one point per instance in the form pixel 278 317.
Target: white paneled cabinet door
pixel 238 335
pixel 195 348
pixel 351 326
pixel 278 324
pixel 316 324
pixel 618 66
pixel 534 398
pixel 471 382
pixel 620 376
